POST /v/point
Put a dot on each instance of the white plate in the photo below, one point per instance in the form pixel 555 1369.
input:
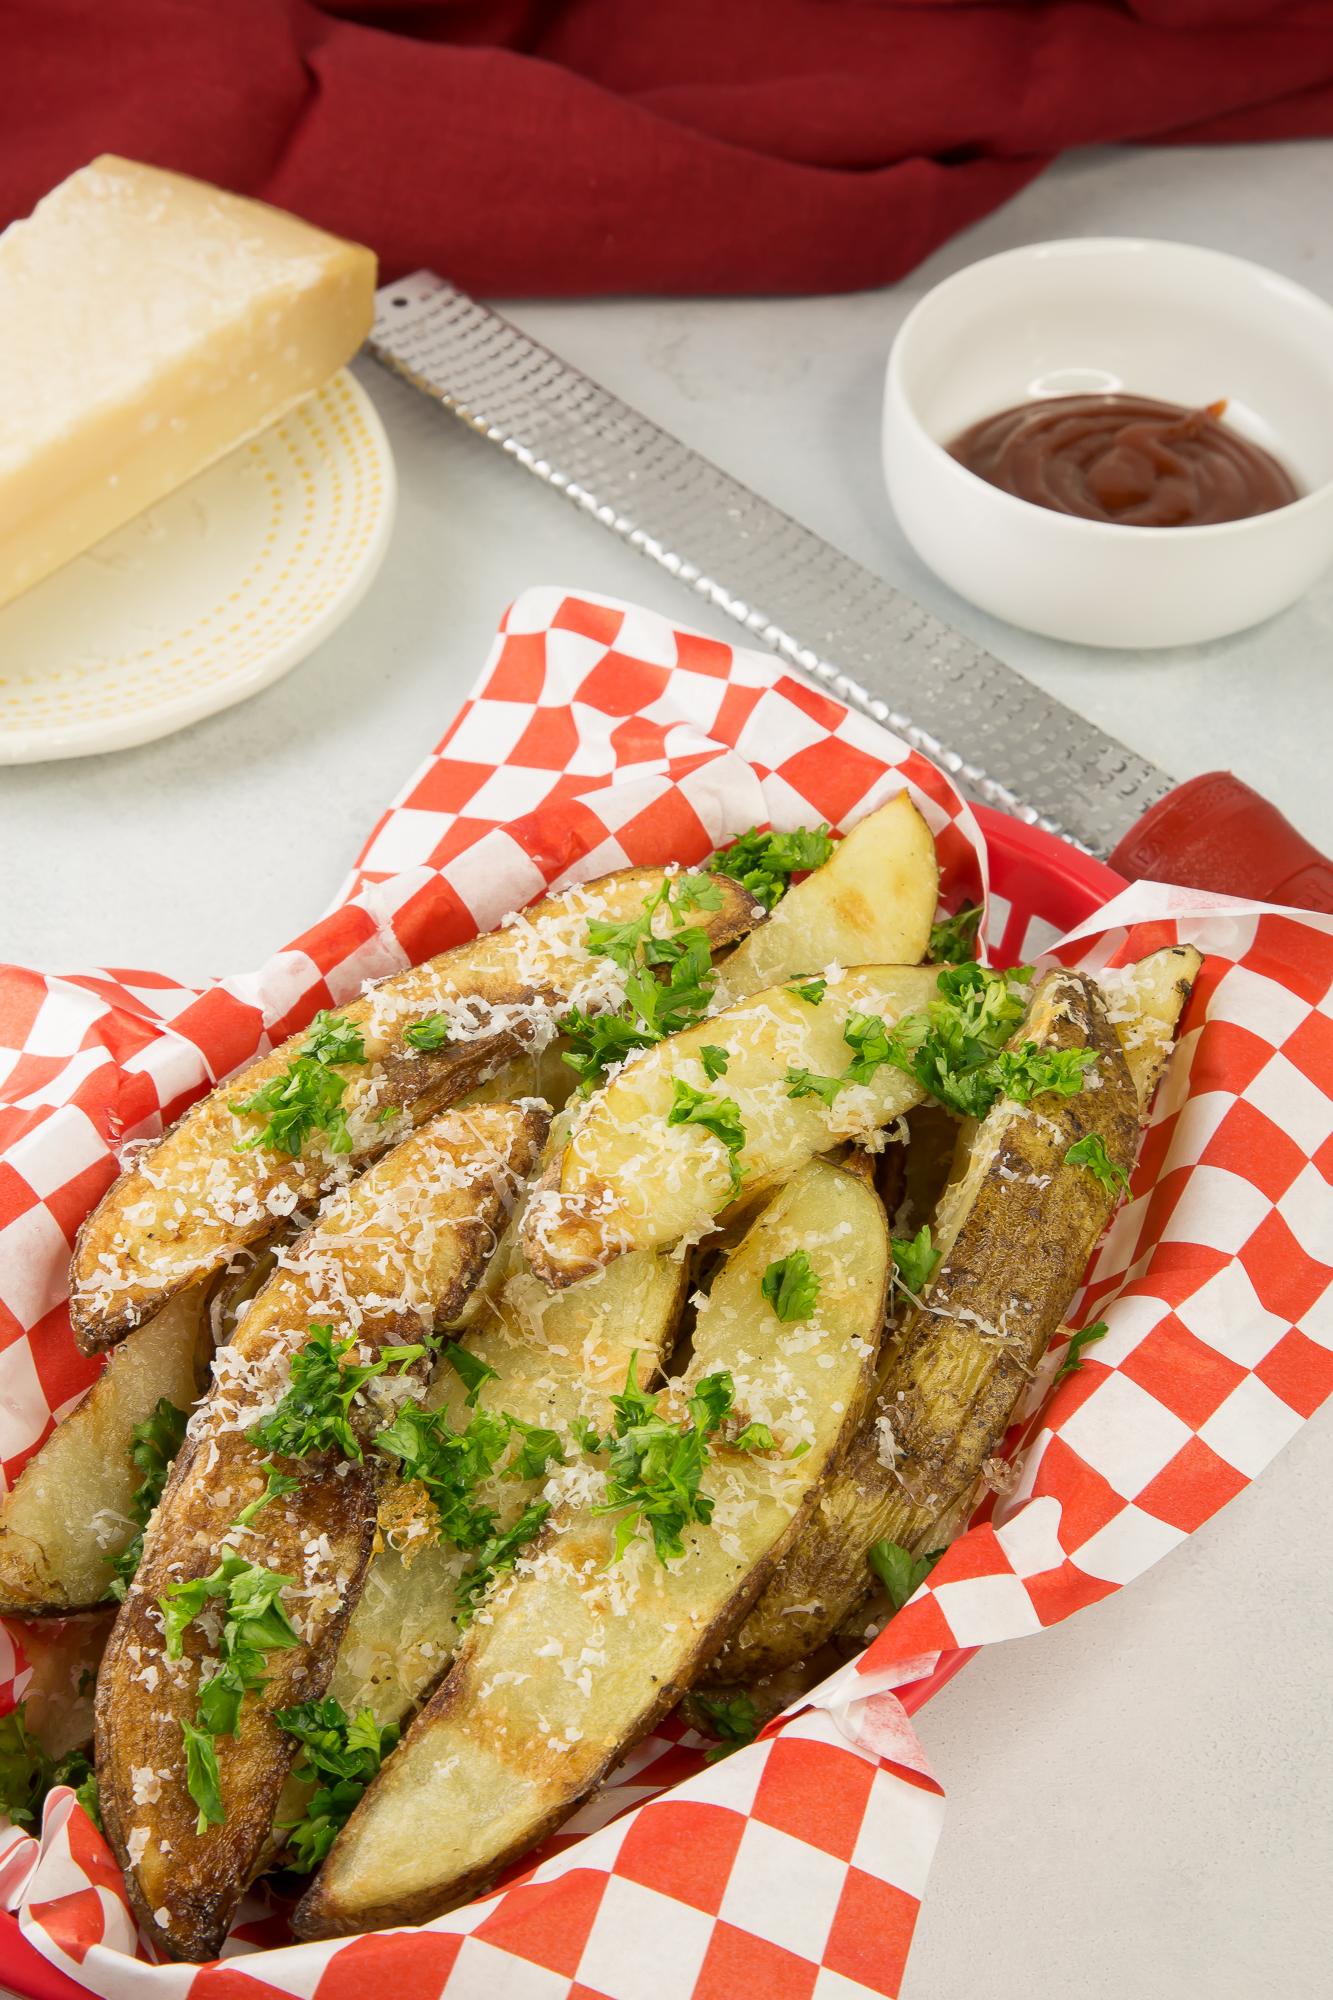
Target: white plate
pixel 206 597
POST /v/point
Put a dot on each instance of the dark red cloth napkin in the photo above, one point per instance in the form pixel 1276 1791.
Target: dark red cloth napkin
pixel 547 147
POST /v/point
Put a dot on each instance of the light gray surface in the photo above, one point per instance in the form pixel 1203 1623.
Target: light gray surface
pixel 1140 1799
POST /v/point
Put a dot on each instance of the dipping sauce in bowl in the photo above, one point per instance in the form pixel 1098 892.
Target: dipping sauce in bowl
pixel 1127 459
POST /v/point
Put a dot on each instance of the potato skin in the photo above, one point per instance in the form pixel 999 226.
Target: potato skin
pixel 178 1212
pixel 1015 1262
pixel 421 1224
pixel 475 1782
pixel 201 1877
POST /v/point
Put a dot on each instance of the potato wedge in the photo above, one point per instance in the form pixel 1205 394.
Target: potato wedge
pixel 872 903
pixel 67 1514
pixel 1144 1004
pixel 555 1358
pixel 176 1213
pixel 400 1245
pixel 631 1179
pixel 1015 1229
pixel 573 1660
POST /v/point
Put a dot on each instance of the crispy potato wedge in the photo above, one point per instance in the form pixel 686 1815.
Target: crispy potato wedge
pixel 1144 1004
pixel 630 1179
pixel 554 1358
pixel 176 1213
pixel 1015 1229
pixel 573 1660
pixel 67 1513
pixel 401 1244
pixel 872 903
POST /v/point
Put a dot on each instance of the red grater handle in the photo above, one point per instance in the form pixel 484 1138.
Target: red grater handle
pixel 1214 832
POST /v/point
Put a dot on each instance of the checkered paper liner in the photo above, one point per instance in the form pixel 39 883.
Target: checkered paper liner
pixel 600 735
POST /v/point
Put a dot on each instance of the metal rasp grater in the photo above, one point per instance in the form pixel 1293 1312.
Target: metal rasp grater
pixel 1003 740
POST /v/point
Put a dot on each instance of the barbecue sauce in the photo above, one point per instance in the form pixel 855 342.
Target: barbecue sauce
pixel 1126 459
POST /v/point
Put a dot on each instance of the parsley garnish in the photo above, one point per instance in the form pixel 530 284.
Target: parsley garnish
pixel 450 1464
pixel 24 1769
pixel 345 1754
pixel 1073 1360
pixel 810 990
pixel 955 940
pixel 764 863
pixel 432 1033
pixel 914 1259
pixel 656 1465
pixel 203 1780
pixel 901 1573
pixel 714 1061
pixel 791 1287
pixel 28 1772
pixel 654 1008
pixel 805 1083
pixel 278 1486
pixel 1029 1072
pixel 719 1115
pixel 498 1553
pixel 254 1623
pixel 1091 1153
pixel 334 1040
pixel 472 1371
pixel 153 1445
pixel 631 944
pixel 314 1415
pixel 307 1096
pixel 869 1041
pixel 735 1723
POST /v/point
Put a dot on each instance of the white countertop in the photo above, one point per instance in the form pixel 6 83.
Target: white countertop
pixel 1140 1799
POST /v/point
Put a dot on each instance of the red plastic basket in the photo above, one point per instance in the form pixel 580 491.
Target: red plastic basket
pixel 1040 888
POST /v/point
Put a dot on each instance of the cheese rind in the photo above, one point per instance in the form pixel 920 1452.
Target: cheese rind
pixel 148 325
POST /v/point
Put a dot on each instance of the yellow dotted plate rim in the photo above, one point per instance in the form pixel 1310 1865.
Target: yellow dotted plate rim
pixel 145 724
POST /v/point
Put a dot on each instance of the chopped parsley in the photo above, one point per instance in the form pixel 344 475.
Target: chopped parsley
pixel 254 1624
pixel 203 1780
pixel 342 1754
pixel 470 1370
pixel 315 1413
pixel 955 940
pixel 496 1555
pixel 432 1033
pixel 1092 1154
pixel 914 1260
pixel 719 1115
pixel 1028 1072
pixel 28 1772
pixel 734 1723
pixel 656 1465
pixel 631 944
pixel 791 1287
pixel 450 1465
pixel 307 1096
pixel 764 863
pixel 654 1007
pixel 955 1050
pixel 810 990
pixel 277 1488
pixel 901 1573
pixel 153 1445
pixel 334 1040
pixel 714 1061
pixel 1073 1360
pixel 805 1083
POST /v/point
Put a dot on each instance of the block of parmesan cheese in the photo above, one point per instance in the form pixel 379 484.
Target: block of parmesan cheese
pixel 148 325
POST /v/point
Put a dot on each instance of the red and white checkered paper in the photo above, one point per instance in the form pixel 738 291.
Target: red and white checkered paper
pixel 600 735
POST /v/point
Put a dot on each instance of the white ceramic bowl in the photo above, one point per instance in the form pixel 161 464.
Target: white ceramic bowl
pixel 1154 319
